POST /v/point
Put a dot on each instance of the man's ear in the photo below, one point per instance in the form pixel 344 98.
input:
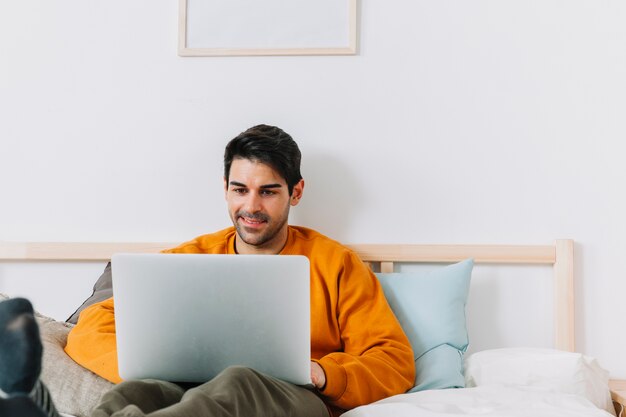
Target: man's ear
pixel 297 192
pixel 225 188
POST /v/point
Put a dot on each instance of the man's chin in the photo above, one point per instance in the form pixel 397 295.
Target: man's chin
pixel 252 238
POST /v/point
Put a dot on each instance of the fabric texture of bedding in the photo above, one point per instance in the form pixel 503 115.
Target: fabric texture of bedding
pixel 544 369
pixel 430 307
pixel 511 382
pixel 484 401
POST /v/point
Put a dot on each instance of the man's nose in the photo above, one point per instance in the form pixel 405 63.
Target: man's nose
pixel 253 203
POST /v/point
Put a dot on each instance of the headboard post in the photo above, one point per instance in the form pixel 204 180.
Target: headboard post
pixel 386 267
pixel 564 295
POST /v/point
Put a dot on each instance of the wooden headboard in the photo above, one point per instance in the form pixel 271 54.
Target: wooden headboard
pixel 560 255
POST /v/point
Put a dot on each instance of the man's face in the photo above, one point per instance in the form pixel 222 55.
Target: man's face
pixel 258 204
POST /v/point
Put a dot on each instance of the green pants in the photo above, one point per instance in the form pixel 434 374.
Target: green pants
pixel 237 391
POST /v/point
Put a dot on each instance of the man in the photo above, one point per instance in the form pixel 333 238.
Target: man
pixel 359 352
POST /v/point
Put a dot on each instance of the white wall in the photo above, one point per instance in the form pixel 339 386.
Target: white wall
pixel 457 122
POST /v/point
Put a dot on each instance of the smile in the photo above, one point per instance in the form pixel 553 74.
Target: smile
pixel 251 221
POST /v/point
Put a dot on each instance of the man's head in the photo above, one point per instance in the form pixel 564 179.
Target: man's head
pixel 262 181
pixel 268 145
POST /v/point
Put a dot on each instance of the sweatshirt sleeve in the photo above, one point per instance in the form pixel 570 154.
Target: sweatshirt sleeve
pixel 377 360
pixel 92 344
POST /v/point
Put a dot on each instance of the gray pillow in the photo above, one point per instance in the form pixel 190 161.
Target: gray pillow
pixel 102 289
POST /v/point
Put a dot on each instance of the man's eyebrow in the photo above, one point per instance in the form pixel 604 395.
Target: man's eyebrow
pixel 272 186
pixel 239 184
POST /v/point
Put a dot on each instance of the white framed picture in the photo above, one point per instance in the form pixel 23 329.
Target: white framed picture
pixel 267 27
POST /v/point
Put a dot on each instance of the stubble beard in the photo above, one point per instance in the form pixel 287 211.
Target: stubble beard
pixel 256 239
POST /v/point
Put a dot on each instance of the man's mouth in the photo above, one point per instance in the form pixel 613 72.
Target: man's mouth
pixel 253 221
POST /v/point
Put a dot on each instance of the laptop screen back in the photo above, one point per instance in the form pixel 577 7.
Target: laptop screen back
pixel 185 318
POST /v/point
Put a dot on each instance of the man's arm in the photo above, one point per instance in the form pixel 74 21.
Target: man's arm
pixel 92 343
pixel 377 360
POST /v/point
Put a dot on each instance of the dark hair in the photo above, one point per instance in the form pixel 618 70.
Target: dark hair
pixel 269 145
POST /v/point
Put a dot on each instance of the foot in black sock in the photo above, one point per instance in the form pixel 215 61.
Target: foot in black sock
pixel 20 347
pixel 20 406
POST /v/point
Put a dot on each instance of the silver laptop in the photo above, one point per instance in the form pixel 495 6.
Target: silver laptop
pixel 185 318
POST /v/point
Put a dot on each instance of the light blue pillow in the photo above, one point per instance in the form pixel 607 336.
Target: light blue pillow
pixel 431 309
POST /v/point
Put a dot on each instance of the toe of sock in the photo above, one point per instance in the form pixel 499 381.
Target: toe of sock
pixel 14 307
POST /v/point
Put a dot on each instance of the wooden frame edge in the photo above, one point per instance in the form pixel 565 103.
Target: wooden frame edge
pixel 182 26
pixel 74 251
pixel 216 52
pixel 524 254
pixel 184 51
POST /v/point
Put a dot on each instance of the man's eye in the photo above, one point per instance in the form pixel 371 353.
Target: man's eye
pixel 267 192
pixel 239 190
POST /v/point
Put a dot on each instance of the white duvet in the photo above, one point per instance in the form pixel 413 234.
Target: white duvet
pixel 489 400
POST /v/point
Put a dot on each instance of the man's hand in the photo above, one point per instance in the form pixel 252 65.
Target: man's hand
pixel 318 377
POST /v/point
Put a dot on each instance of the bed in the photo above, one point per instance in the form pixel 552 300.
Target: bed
pixel 499 382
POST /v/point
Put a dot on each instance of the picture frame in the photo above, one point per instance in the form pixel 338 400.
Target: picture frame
pixel 267 27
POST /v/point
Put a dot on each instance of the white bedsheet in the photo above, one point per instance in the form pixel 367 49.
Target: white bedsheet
pixel 493 401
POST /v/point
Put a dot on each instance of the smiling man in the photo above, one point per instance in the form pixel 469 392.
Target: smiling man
pixel 259 210
pixel 359 351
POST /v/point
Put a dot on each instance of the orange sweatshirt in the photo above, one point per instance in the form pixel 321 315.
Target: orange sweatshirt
pixel 355 336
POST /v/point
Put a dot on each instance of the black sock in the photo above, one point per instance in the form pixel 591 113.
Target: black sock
pixel 20 358
pixel 20 347
pixel 20 406
pixel 41 397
